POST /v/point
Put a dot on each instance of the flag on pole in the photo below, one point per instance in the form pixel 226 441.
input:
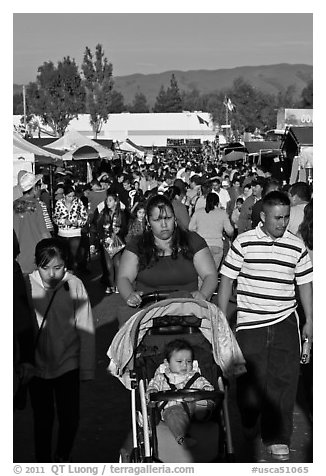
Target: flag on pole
pixel 202 121
pixel 229 104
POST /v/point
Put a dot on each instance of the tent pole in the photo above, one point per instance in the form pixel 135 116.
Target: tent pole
pixel 51 188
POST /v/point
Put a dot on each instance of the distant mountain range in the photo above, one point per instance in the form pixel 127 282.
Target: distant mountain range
pixel 269 78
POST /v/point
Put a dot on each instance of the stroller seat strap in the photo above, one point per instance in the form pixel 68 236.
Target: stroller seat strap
pixel 174 387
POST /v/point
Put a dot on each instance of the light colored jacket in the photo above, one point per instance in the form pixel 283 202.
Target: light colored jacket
pixel 158 383
pixel 67 340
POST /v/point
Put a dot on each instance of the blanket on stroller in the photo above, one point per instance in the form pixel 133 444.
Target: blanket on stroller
pixel 214 327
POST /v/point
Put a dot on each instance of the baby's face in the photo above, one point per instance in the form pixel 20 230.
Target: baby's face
pixel 180 361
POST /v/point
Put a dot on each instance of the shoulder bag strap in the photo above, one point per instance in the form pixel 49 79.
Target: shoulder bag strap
pixel 44 318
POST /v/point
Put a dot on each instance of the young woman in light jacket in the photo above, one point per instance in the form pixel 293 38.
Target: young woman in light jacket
pixel 64 349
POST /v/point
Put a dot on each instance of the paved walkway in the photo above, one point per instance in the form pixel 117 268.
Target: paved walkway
pixel 105 403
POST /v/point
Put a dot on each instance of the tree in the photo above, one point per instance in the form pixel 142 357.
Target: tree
pixel 192 100
pixel 160 103
pixel 116 102
pixel 287 98
pixel 307 96
pixel 139 104
pixel 18 104
pixel 173 97
pixel 57 95
pixel 169 100
pixel 98 83
pixel 254 109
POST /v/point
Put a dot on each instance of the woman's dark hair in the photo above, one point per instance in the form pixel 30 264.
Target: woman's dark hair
pixel 172 192
pixel 48 249
pixel 175 346
pixel 147 251
pixel 106 213
pixel 206 187
pixel 212 200
pixel 140 205
pixel 68 189
pixel 306 227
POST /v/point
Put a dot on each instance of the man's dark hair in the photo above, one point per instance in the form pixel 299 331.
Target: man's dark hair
pixel 175 346
pixel 270 183
pixel 301 189
pixel 195 179
pixel 275 198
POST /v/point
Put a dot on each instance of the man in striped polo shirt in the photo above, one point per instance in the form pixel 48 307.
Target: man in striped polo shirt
pixel 267 262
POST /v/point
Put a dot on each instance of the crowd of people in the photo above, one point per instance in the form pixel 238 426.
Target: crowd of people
pixel 183 224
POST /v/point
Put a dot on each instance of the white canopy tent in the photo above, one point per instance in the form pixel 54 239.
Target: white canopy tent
pixel 25 154
pixel 23 160
pixel 79 147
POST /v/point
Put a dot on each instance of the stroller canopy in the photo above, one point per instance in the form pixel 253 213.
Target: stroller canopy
pixel 213 326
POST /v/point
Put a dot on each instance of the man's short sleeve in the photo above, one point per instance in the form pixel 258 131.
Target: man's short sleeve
pixel 303 270
pixel 233 261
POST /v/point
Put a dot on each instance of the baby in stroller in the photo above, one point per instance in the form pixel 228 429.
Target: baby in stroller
pixel 180 371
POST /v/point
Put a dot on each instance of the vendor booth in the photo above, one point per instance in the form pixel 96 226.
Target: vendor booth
pixel 233 151
pixel 80 154
pixel 268 154
pixel 27 156
pixel 298 149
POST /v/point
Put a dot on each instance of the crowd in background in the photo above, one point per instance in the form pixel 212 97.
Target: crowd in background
pixel 218 200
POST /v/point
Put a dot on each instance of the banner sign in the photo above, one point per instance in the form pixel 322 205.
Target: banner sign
pixel 294 117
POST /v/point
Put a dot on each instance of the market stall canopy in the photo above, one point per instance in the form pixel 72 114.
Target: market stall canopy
pixel 263 147
pixel 23 144
pixel 129 146
pixel 233 156
pixel 21 154
pixel 301 135
pixel 79 147
pixel 23 160
pixel 233 151
pixel 41 155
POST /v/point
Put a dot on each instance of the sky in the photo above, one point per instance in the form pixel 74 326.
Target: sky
pixel 156 42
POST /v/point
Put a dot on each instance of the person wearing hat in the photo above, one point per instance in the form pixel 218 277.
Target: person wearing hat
pixel 17 191
pixel 245 223
pixel 28 220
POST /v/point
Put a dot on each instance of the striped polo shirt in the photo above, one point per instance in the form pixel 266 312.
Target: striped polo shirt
pixel 266 271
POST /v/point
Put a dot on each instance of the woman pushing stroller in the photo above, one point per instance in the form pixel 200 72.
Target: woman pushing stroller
pixel 165 258
pixel 180 371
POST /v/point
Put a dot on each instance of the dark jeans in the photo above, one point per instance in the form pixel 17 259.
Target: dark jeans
pixel 268 389
pixel 46 394
pixel 83 251
pixel 72 245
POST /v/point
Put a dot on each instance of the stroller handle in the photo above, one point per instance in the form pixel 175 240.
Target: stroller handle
pixel 156 296
pixel 187 395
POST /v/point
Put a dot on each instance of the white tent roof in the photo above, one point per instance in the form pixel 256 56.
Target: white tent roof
pixel 73 140
pixel 19 143
pixel 22 154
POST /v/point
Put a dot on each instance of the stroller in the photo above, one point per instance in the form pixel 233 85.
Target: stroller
pixel 137 350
